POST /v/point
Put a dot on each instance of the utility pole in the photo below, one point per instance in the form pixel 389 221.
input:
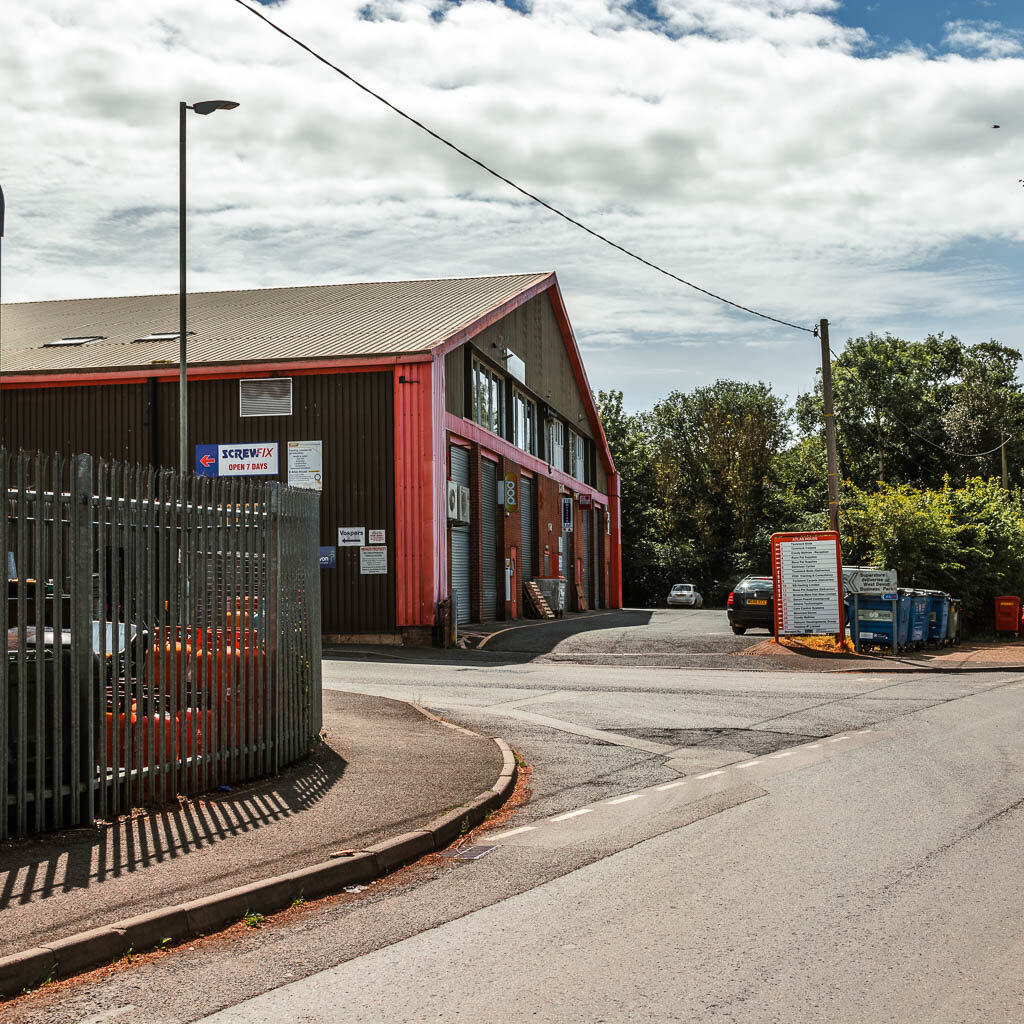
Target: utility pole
pixel 830 429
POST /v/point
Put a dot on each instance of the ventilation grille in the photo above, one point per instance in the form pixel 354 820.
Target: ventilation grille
pixel 265 396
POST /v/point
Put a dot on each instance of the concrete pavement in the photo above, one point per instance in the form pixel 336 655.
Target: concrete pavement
pixel 389 783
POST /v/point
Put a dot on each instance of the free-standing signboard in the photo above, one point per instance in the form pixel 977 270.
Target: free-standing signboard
pixel 808 576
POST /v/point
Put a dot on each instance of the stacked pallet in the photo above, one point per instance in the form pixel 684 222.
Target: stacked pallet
pixel 536 602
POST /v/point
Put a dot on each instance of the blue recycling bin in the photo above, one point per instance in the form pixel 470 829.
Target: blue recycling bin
pixel 938 615
pixel 872 623
pixel 917 617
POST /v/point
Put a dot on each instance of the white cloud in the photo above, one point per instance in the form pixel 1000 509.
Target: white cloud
pixel 747 145
pixel 987 38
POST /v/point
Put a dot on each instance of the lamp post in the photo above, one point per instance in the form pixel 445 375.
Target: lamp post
pixel 203 107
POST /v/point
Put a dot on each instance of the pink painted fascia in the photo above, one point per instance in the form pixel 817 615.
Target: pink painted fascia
pixel 492 316
pixel 469 431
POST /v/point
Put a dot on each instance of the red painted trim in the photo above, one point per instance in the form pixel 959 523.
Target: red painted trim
pixel 461 336
pixel 304 367
pixel 465 430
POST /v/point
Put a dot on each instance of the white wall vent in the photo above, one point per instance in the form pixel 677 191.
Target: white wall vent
pixel 265 396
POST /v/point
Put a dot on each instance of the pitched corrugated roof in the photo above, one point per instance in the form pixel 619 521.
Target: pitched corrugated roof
pixel 323 321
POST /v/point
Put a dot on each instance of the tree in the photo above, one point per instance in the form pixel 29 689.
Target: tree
pixel 908 411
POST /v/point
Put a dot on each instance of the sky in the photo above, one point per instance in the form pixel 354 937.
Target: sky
pixel 806 158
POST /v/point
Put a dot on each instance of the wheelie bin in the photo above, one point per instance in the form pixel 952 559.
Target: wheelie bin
pixel 917 632
pixel 938 615
pixel 873 624
pixel 1008 614
pixel 954 623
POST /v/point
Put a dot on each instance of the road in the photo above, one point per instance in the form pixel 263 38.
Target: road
pixel 700 845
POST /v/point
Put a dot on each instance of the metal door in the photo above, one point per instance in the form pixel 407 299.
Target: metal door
pixel 460 542
pixel 488 539
pixel 527 552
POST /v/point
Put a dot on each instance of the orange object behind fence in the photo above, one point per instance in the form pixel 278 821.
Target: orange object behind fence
pixel 172 737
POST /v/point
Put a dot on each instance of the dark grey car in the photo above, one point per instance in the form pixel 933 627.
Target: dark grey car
pixel 752 605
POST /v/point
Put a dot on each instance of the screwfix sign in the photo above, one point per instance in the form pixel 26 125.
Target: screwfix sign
pixel 237 459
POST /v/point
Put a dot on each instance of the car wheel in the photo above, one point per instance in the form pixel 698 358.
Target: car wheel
pixel 739 630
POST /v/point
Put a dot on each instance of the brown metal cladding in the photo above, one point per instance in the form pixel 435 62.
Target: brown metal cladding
pixel 352 413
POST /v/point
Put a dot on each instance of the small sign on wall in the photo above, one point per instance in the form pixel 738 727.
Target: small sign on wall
pixel 305 464
pixel 566 513
pixel 328 558
pixel 351 536
pixel 377 537
pixel 373 561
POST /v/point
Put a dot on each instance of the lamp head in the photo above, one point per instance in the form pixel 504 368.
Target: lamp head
pixel 209 106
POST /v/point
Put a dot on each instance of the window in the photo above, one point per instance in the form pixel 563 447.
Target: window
pixel 86 340
pixel 524 422
pixel 265 396
pixel 577 461
pixel 556 444
pixel 488 393
pixel 164 336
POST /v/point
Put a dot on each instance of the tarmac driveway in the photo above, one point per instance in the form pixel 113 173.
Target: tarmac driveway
pixel 608 637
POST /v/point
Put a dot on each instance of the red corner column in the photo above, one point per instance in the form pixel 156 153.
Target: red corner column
pixel 414 496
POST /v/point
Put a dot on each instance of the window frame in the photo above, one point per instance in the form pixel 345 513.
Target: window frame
pixel 522 401
pixel 492 417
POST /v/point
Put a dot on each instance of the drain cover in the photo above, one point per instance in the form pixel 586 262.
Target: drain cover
pixel 468 853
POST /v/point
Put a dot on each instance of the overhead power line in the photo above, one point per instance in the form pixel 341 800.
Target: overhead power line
pixel 508 181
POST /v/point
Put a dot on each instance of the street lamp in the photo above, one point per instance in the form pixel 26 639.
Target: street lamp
pixel 203 107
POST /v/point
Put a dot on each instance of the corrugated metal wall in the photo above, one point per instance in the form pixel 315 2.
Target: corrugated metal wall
pixel 352 413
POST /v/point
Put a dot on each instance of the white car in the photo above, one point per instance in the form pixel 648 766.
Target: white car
pixel 684 595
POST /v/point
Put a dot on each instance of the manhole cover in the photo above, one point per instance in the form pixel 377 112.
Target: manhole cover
pixel 468 853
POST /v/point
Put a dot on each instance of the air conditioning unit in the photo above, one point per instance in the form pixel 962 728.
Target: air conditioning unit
pixel 464 504
pixel 453 500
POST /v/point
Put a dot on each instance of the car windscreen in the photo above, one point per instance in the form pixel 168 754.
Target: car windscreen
pixel 765 584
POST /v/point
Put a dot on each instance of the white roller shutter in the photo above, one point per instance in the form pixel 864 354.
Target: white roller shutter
pixel 527 553
pixel 489 539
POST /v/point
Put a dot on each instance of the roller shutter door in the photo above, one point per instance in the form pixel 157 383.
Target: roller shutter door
pixel 527 552
pixel 488 539
pixel 460 541
pixel 588 554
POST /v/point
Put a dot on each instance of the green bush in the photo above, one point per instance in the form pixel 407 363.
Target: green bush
pixel 968 541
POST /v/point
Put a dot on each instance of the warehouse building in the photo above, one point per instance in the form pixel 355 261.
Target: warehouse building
pixel 448 424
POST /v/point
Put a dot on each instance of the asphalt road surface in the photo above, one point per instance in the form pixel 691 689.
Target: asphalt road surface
pixel 698 846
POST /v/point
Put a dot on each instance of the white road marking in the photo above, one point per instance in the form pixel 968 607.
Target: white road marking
pixel 672 785
pixel 623 799
pixel 514 832
pixel 860 732
pixel 838 739
pixel 748 764
pixel 573 814
pixel 782 753
pixel 707 775
pixel 813 746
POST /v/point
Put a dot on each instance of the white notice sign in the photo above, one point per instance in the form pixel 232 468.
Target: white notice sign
pixel 351 536
pixel 306 464
pixel 377 537
pixel 806 584
pixel 858 580
pixel 373 561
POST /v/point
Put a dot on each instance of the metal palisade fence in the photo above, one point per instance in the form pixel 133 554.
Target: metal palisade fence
pixel 163 636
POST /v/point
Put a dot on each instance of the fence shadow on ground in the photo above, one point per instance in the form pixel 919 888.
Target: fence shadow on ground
pixel 36 869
